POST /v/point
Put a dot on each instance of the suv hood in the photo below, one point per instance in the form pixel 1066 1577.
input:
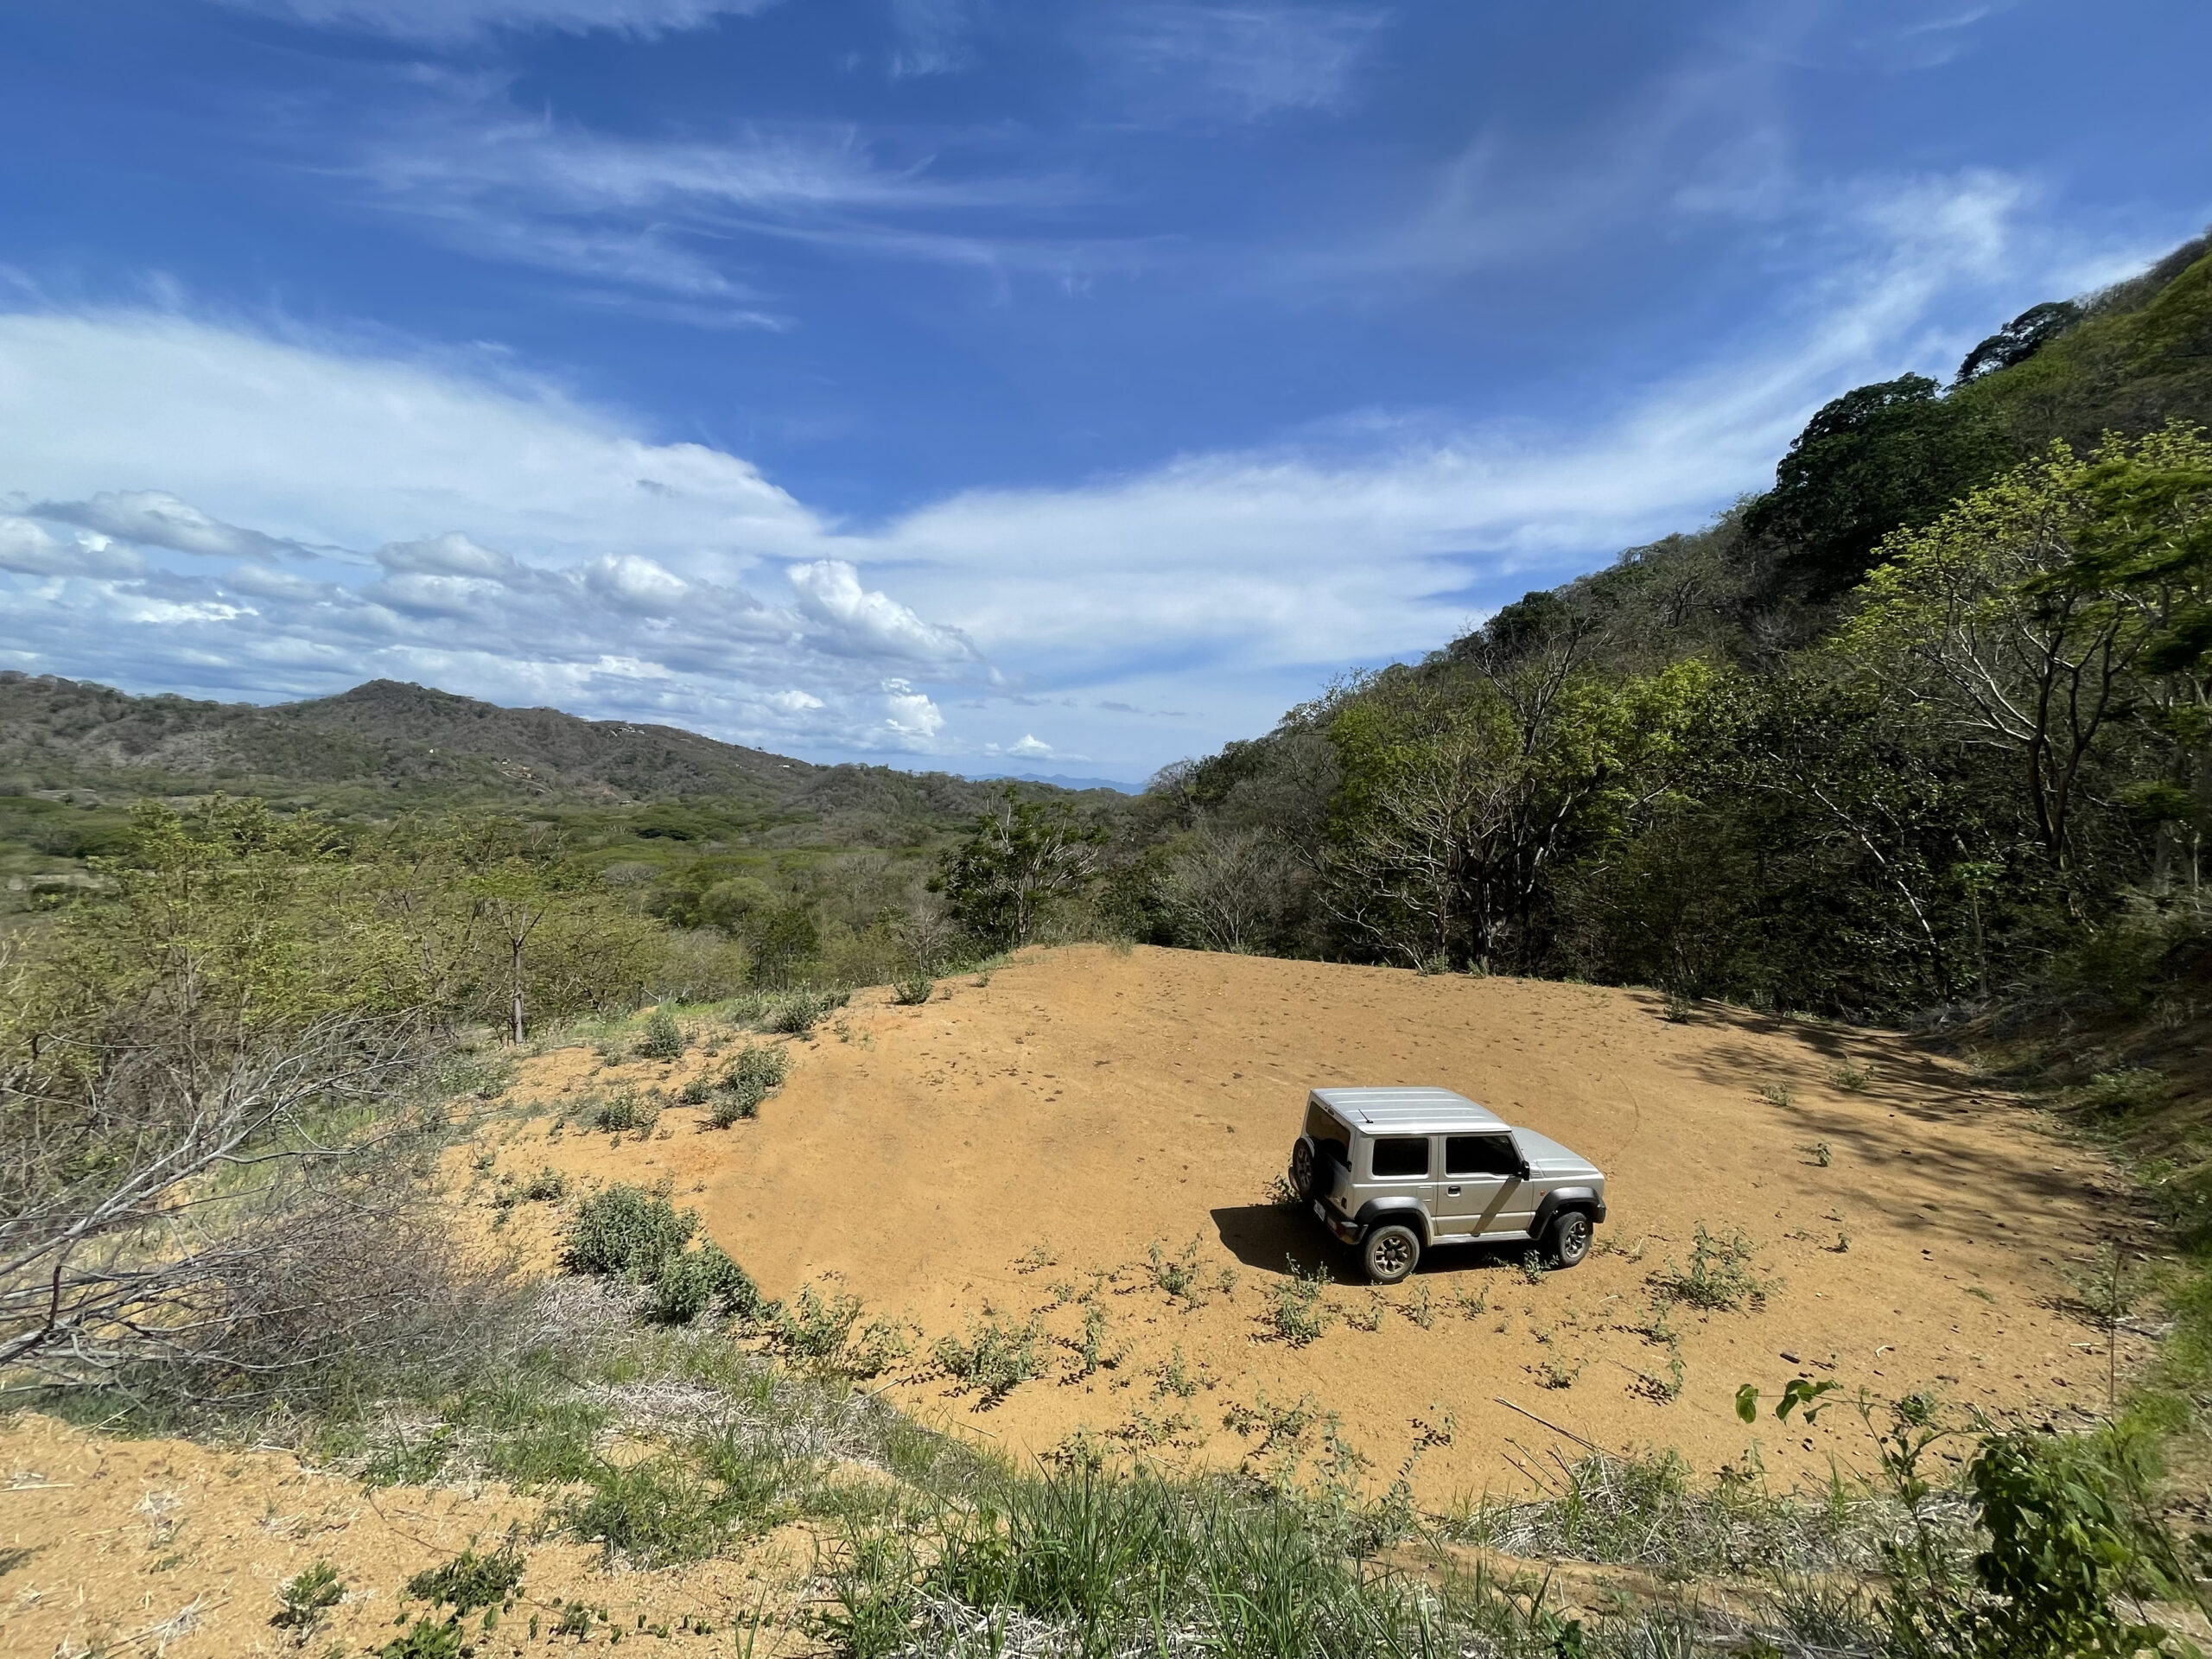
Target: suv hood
pixel 1549 1160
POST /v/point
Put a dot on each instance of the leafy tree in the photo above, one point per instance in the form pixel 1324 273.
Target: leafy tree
pixel 1876 458
pixel 1023 856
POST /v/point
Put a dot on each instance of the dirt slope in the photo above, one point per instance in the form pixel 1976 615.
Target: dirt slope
pixel 1011 1152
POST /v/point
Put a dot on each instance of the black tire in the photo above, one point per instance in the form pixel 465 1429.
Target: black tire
pixel 1390 1252
pixel 1566 1241
pixel 1302 1168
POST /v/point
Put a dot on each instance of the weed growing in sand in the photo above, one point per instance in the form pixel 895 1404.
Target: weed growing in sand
pixel 914 990
pixel 1554 1373
pixel 1818 1154
pixel 663 1038
pixel 1036 1259
pixel 470 1581
pixel 1367 1313
pixel 695 1092
pixel 814 1327
pixel 1296 1312
pixel 624 1111
pixel 1534 1268
pixel 307 1599
pixel 1842 1245
pixel 1275 1425
pixel 1471 1306
pixel 1851 1079
pixel 1774 1094
pixel 996 1358
pixel 627 1232
pixel 1091 1353
pixel 1173 1375
pixel 1143 1429
pixel 2112 1093
pixel 1662 1390
pixel 757 1072
pixel 797 1013
pixel 1719 1279
pixel 1176 1276
pixel 1420 1307
pixel 425 1640
pixel 1676 1009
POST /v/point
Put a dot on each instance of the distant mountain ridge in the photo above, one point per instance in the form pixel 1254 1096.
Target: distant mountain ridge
pixel 387 735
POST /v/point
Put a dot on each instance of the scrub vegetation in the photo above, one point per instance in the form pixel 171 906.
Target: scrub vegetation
pixel 1918 735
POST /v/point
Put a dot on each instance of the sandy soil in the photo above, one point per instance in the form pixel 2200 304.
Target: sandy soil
pixel 143 1547
pixel 1014 1150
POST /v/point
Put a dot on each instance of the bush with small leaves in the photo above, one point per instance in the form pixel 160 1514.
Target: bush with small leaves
pixel 691 1282
pixel 664 1038
pixel 1719 1278
pixel 996 1358
pixel 797 1013
pixel 914 990
pixel 756 1073
pixel 695 1093
pixel 307 1598
pixel 1295 1310
pixel 623 1111
pixel 626 1232
pixel 425 1639
pixel 470 1581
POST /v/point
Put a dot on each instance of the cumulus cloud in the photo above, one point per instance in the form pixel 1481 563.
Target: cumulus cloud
pixel 156 518
pixel 515 544
pixel 1028 746
pixel 872 625
pixel 449 22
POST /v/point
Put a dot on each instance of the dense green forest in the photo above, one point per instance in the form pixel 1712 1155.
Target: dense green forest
pixel 1923 726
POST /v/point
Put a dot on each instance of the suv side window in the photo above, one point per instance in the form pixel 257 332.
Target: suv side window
pixel 1481 1155
pixel 1400 1154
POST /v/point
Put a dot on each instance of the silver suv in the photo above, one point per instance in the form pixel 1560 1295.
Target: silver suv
pixel 1393 1172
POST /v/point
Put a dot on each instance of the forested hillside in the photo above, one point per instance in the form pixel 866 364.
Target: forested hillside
pixel 1924 725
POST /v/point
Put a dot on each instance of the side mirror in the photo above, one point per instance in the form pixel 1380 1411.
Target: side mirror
pixel 1521 1166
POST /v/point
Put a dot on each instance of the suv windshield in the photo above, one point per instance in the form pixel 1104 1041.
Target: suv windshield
pixel 1330 1139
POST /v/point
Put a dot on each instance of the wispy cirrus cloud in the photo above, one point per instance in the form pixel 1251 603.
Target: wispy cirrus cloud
pixel 445 22
pixel 518 545
pixel 1217 64
pixel 685 217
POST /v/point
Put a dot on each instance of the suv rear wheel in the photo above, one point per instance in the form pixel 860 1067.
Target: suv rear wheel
pixel 1390 1252
pixel 1568 1239
pixel 1302 1169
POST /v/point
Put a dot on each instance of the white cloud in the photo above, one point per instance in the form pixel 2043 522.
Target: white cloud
pixel 156 518
pixel 450 22
pixel 463 166
pixel 1220 63
pixel 1030 747
pixel 872 625
pixel 531 548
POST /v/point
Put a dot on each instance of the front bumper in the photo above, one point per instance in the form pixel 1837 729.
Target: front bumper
pixel 1346 1230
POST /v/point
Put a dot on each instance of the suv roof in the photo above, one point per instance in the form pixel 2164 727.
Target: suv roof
pixel 1410 1111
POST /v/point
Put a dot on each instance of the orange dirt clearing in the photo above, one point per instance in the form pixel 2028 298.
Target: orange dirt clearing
pixel 1014 1151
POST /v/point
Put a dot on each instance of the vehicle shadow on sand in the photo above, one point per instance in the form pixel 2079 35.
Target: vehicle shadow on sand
pixel 1272 1237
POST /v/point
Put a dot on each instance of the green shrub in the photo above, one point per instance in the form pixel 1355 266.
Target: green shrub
pixel 622 1111
pixel 626 1232
pixel 2114 1094
pixel 425 1640
pixel 664 1038
pixel 651 1513
pixel 810 1326
pixel 1295 1309
pixel 695 1092
pixel 914 990
pixel 1719 1278
pixel 307 1598
pixel 997 1358
pixel 757 1072
pixel 469 1580
pixel 691 1282
pixel 797 1013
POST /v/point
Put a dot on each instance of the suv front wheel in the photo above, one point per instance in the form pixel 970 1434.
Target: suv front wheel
pixel 1390 1252
pixel 1568 1239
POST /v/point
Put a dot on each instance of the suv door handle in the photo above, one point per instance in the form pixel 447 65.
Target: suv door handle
pixel 1452 1192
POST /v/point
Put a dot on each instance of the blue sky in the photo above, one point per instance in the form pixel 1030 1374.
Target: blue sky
pixel 1058 387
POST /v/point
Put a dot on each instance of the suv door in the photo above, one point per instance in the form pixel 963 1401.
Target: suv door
pixel 1482 1192
pixel 1401 1165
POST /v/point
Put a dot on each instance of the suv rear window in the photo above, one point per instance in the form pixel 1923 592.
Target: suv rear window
pixel 1330 1139
pixel 1481 1155
pixel 1401 1154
